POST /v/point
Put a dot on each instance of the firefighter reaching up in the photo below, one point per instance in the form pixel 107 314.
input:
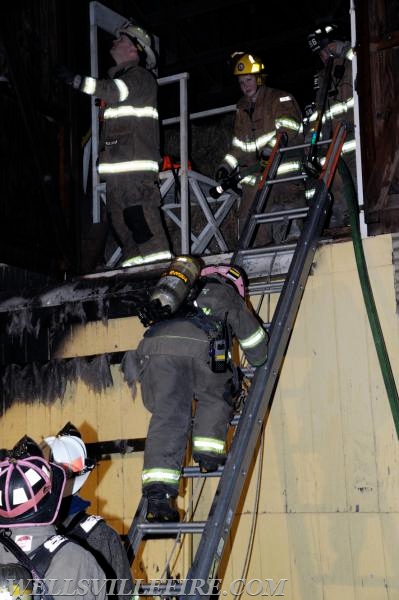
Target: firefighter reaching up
pixel 185 357
pixel 129 146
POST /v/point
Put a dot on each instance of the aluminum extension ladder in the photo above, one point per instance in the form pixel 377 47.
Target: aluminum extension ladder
pixel 232 477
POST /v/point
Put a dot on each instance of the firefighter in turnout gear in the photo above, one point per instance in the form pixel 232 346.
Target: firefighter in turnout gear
pixel 186 358
pixel 129 146
pixel 329 41
pixel 262 112
pixel 30 494
pixel 92 532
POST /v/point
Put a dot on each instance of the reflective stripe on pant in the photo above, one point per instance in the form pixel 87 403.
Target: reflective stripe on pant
pixel 168 386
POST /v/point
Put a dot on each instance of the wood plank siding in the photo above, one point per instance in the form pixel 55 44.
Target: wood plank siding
pixel 328 504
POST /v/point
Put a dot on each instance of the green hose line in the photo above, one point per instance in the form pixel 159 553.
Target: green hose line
pixel 385 365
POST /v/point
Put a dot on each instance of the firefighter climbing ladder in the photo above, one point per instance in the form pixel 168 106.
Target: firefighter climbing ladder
pixel 215 530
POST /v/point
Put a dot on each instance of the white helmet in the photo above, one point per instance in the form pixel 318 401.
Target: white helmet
pixel 69 452
pixel 142 40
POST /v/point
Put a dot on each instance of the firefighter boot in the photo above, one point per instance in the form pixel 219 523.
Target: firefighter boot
pixel 209 462
pixel 161 508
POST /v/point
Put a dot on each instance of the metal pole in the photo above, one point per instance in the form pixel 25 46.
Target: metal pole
pixel 96 212
pixel 184 199
pixel 356 116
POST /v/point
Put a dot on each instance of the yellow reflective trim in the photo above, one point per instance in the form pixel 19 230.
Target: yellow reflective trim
pixel 288 123
pixel 130 111
pixel 89 85
pixel 253 340
pixel 166 475
pixel 255 145
pixel 123 89
pixel 289 167
pixel 349 146
pixel 249 180
pixel 208 445
pixel 128 167
pixel 231 160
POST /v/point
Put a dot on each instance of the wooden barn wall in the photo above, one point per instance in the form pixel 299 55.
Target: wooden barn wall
pixel 327 513
pixel 378 88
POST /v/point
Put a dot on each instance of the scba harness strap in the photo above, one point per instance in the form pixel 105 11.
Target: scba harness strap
pixel 81 527
pixel 43 555
pixel 38 561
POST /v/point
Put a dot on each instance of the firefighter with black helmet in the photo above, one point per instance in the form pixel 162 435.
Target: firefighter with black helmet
pixel 262 112
pixel 129 146
pixel 186 357
pixel 329 41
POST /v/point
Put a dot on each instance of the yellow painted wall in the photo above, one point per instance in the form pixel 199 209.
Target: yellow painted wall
pixel 328 508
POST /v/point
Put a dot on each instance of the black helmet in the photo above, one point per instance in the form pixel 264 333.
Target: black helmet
pixel 26 446
pixel 323 35
pixel 30 491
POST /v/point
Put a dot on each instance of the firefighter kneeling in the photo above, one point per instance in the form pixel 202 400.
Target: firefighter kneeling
pixel 185 357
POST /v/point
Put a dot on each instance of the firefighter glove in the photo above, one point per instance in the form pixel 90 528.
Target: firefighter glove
pixel 67 76
pixel 221 173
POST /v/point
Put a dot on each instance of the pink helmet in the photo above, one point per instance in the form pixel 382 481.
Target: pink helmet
pixel 30 491
pixel 234 274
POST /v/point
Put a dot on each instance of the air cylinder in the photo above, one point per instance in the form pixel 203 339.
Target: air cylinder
pixel 175 284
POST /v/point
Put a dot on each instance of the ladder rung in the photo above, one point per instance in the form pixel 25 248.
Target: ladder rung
pixel 265 287
pixel 195 472
pixel 267 250
pixel 281 215
pixel 168 528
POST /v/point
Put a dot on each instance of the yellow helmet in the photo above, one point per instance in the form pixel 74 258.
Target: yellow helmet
pixel 248 64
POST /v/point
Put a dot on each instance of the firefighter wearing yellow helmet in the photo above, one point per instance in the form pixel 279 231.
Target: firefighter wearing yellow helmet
pixel 262 112
pixel 248 64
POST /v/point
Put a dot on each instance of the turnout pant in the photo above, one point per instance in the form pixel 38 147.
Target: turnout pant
pixel 169 384
pixel 134 208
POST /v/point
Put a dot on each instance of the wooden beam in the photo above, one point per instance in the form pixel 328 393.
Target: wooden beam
pixel 390 41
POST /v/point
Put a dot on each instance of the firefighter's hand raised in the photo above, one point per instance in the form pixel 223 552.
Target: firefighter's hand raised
pixel 66 75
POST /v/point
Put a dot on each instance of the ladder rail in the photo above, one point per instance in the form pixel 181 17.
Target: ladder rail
pixel 213 540
pixel 262 192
